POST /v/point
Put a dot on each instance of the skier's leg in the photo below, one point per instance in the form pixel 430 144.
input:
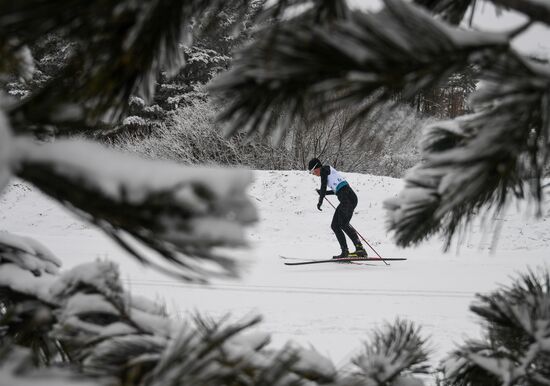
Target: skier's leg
pixel 336 226
pixel 352 234
pixel 349 206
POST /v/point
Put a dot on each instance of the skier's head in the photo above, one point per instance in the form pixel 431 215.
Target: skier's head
pixel 314 166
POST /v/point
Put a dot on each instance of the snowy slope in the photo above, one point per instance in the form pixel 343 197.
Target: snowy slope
pixel 331 306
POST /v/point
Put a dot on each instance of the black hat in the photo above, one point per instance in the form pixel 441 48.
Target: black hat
pixel 314 163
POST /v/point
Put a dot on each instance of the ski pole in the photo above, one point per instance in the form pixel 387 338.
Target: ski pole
pixel 359 234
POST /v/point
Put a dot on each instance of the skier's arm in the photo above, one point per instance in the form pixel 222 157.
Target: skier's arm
pixel 325 171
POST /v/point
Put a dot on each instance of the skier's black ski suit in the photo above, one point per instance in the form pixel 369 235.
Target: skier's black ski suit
pixel 344 211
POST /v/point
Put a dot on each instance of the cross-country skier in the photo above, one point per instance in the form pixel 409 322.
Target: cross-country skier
pixel 342 216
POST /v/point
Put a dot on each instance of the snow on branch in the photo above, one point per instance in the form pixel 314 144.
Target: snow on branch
pixel 124 355
pixel 182 213
pixel 100 277
pixel 216 353
pixel 204 353
pixel 361 61
pixel 93 307
pixel 394 355
pixel 84 314
pixel 87 303
pixel 477 161
pixel 22 282
pixel 516 339
pixel 28 254
pixel 27 268
pixel 312 365
pixel 27 272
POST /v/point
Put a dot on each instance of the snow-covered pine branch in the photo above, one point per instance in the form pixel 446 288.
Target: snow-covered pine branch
pixel 206 353
pixel 224 353
pixel 393 356
pixel 478 160
pixel 27 271
pixel 28 254
pixel 515 348
pixel 182 213
pixel 361 61
pixel 101 327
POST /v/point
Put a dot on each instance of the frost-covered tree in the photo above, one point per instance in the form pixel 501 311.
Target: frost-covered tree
pixel 329 58
pixel 205 56
pixel 209 54
pixel 45 59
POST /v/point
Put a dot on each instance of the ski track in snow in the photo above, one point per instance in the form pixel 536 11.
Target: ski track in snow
pixel 304 290
pixel 333 307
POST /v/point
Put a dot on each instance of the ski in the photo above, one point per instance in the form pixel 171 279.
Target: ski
pixel 301 259
pixel 345 260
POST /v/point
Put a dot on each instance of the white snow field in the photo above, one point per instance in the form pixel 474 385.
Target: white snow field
pixel 333 306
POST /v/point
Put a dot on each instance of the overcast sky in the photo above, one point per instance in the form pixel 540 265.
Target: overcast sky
pixel 536 40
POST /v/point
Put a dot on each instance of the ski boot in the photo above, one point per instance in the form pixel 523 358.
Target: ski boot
pixel 344 254
pixel 359 251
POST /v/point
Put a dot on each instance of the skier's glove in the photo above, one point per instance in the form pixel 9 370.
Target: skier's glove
pixel 319 206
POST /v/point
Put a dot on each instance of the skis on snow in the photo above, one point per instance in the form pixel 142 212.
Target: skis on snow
pixel 343 260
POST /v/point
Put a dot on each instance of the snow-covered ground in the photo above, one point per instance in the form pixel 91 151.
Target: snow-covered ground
pixel 330 306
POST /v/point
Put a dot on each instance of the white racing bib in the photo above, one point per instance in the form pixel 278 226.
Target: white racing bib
pixel 335 180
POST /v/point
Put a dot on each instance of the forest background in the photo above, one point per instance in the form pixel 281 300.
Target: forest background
pixel 179 123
